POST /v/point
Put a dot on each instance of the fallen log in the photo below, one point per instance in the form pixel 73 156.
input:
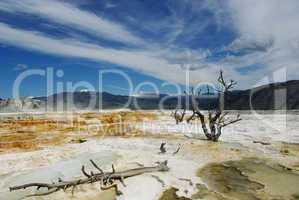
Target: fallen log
pixel 106 179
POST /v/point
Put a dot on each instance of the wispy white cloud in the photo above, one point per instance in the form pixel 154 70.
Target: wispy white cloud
pixel 249 45
pixel 71 16
pixel 142 61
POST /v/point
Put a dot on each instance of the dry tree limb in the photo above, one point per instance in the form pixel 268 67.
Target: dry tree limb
pixel 224 124
pixel 226 85
pixel 106 179
pixel 97 167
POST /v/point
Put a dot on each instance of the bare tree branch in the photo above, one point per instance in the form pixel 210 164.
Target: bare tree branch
pixel 232 121
pixel 225 85
pixel 97 167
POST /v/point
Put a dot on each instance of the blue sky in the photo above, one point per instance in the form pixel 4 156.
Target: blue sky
pixel 253 42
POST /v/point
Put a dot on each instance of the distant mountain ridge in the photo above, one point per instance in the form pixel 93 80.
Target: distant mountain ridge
pixel 275 96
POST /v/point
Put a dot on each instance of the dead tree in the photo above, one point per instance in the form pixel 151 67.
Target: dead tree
pixel 107 179
pixel 213 123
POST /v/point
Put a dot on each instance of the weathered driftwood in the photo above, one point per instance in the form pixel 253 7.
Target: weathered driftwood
pixel 106 179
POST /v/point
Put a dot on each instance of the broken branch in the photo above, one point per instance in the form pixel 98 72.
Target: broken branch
pixel 107 180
